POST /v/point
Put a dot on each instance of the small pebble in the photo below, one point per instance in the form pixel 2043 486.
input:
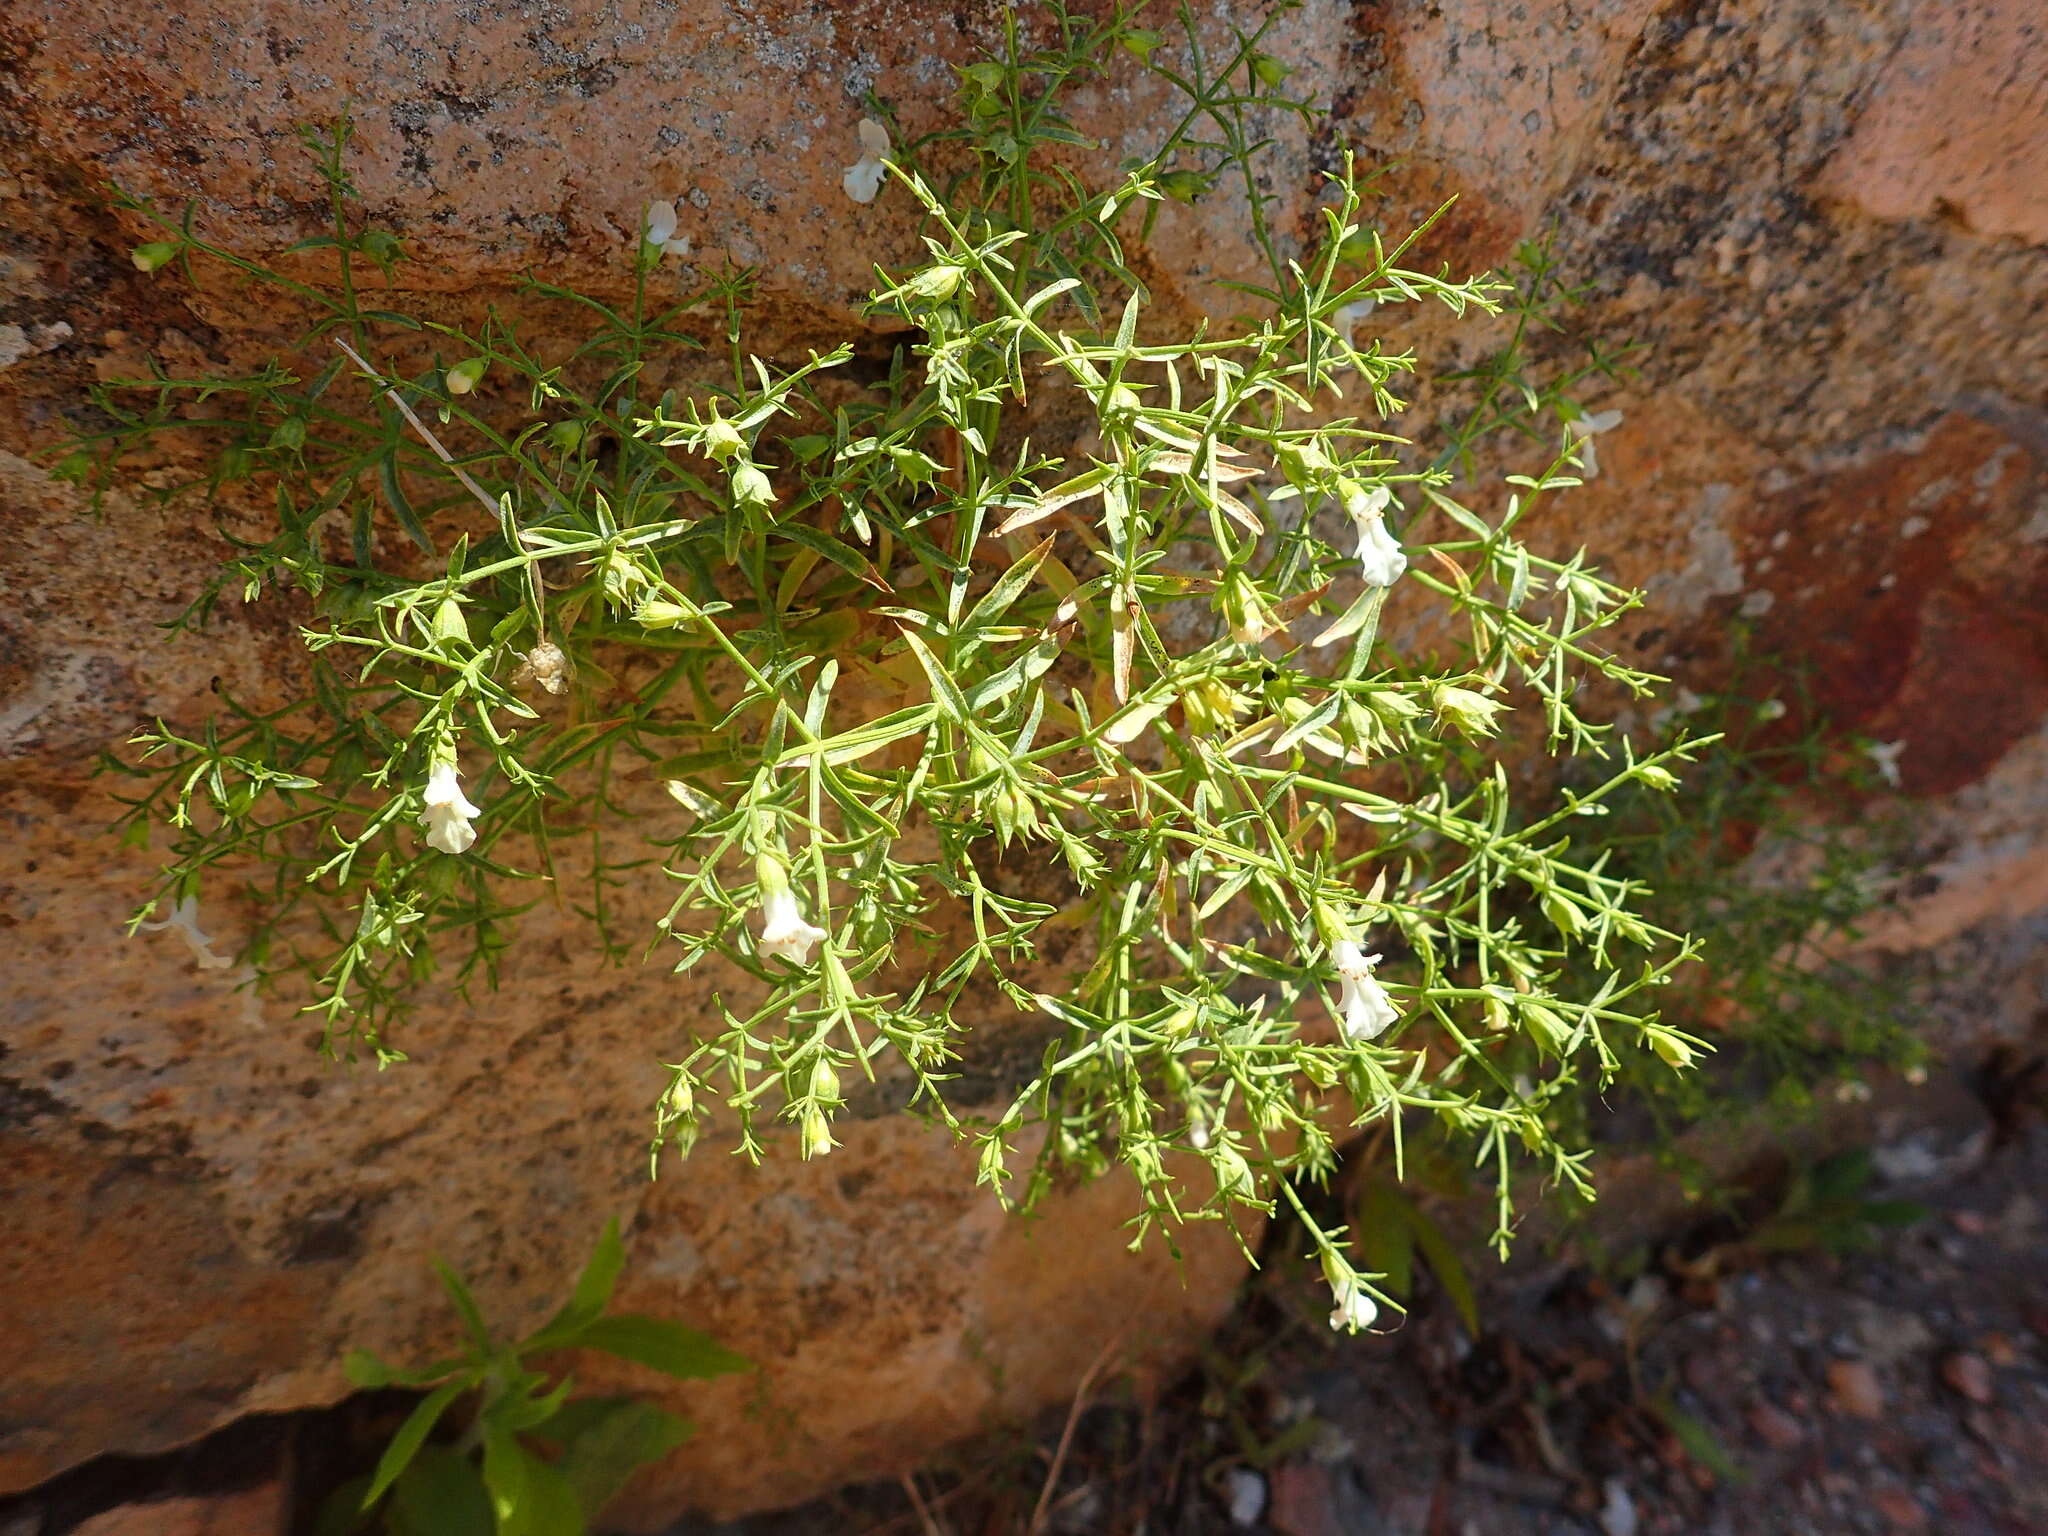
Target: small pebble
pixel 1855 1389
pixel 1900 1509
pixel 1775 1427
pixel 1968 1375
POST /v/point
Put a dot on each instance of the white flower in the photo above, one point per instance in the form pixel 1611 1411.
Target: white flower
pixel 1246 1489
pixel 1348 315
pixel 1355 1309
pixel 448 814
pixel 1363 1008
pixel 658 228
pixel 864 178
pixel 1582 429
pixel 1886 755
pixel 184 922
pixel 1380 560
pixel 784 933
pixel 1686 702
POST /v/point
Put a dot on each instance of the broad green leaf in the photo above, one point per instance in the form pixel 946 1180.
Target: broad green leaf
pixel 364 1369
pixel 609 1447
pixel 527 1495
pixel 441 1494
pixel 667 1347
pixel 341 1512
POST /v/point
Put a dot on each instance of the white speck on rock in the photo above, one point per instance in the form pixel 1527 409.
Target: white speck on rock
pixel 1712 569
pixel 1913 527
pixel 1618 1513
pixel 1247 1496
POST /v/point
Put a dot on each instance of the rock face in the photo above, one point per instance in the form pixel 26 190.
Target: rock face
pixel 1827 221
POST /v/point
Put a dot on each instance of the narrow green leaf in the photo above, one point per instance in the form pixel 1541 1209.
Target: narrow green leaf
pixel 1700 1442
pixel 593 1290
pixel 666 1347
pixel 1385 1238
pixel 844 556
pixel 1445 1265
pixel 945 693
pixel 997 600
pixel 401 505
pixel 412 1434
pixel 465 1306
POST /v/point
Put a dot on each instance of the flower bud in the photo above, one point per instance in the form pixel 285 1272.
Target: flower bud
pixel 1269 70
pixel 982 78
pixel 656 613
pixel 815 1133
pixel 935 284
pixel 1470 712
pixel 565 436
pixel 1244 610
pixel 449 625
pixel 1140 41
pixel 1305 461
pixel 1121 403
pixel 751 487
pixel 463 377
pixel 289 433
pixel 148 258
pixel 825 1082
pixel 1669 1045
pixel 1233 1173
pixel 681 1098
pixel 722 439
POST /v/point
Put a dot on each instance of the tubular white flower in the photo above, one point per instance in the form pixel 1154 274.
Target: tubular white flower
pixel 1583 428
pixel 184 922
pixel 658 228
pixel 784 933
pixel 863 179
pixel 1348 315
pixel 1355 1309
pixel 1363 1008
pixel 448 814
pixel 1380 559
pixel 1886 755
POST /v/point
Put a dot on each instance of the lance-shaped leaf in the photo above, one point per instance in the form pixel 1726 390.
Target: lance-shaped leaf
pixel 1065 494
